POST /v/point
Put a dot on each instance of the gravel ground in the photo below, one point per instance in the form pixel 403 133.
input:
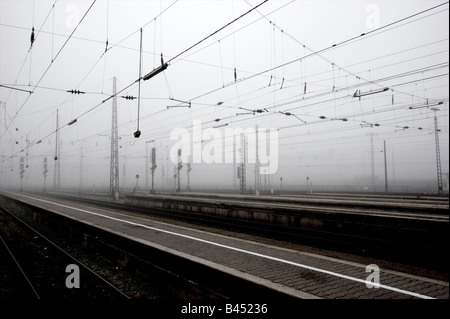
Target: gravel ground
pixel 45 266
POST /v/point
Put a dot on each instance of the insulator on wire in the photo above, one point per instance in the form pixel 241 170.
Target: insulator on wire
pixel 32 38
pixel 76 92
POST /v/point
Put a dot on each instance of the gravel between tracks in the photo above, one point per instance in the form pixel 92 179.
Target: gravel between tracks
pixel 46 268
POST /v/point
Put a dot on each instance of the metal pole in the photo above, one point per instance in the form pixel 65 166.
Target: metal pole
pixel 257 169
pixel 114 160
pixel 153 169
pixel 179 167
pixel 57 172
pixel 45 173
pixel 137 134
pixel 372 161
pixel 153 182
pixel 189 169
pixel 146 165
pixel 307 184
pixel 80 187
pixel 385 170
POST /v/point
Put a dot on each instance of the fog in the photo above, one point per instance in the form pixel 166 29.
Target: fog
pixel 297 69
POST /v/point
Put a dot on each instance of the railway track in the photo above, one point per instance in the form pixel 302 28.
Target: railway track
pixel 34 267
pixel 428 207
pixel 71 206
pixel 418 253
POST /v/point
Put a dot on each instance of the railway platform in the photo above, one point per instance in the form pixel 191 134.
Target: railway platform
pixel 293 273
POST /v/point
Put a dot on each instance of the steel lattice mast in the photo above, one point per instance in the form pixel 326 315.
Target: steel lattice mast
pixel 438 155
pixel 242 168
pixel 114 166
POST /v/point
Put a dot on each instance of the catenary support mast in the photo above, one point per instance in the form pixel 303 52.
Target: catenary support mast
pixel 114 166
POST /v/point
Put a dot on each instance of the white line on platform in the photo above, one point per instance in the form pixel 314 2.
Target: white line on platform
pixel 241 250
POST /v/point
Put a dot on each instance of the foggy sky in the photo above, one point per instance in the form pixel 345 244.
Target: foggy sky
pixel 285 61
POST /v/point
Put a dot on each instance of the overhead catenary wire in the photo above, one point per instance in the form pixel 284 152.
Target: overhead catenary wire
pixel 221 65
pixel 51 63
pixel 279 105
pixel 286 127
pixel 350 40
pixel 138 133
pixel 135 153
pixel 104 52
pixel 106 44
pixel 215 32
pixel 33 39
pixel 277 67
pixel 212 34
pixel 146 24
pixel 134 83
